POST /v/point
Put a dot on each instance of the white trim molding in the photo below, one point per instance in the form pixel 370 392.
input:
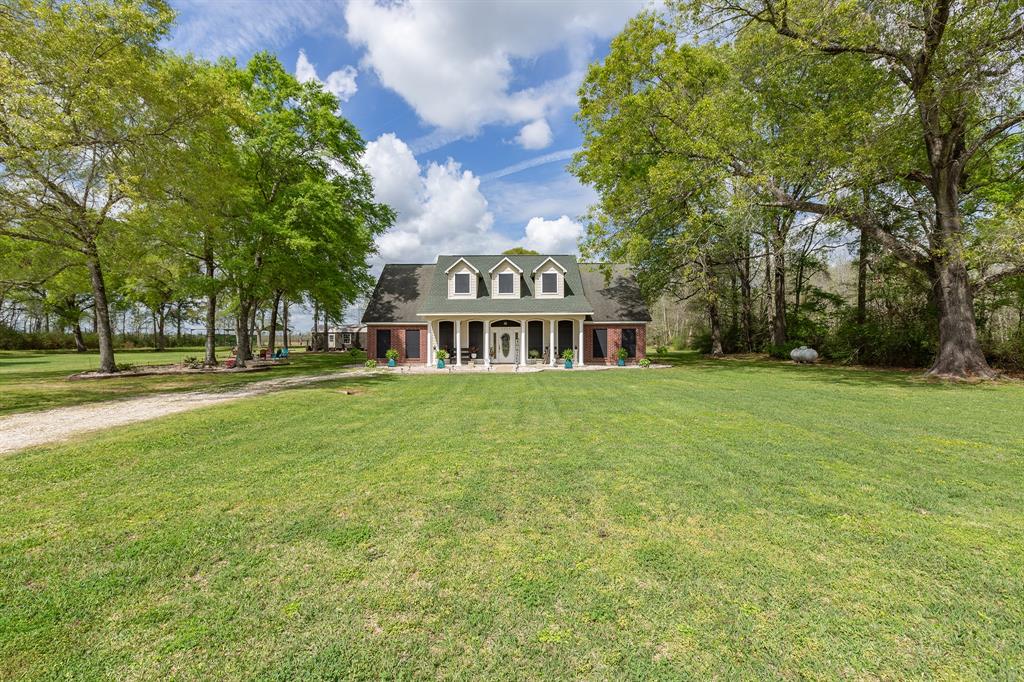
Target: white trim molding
pixel 545 262
pixel 462 260
pixel 508 260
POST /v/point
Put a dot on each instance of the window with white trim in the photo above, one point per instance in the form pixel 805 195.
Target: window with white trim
pixel 506 283
pixel 549 283
pixel 462 282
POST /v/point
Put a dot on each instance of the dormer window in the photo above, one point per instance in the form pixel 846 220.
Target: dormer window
pixel 549 283
pixel 549 279
pixel 462 279
pixel 506 283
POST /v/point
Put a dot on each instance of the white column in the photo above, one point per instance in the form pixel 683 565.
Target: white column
pixel 487 343
pixel 552 324
pixel 522 342
pixel 458 342
pixel 431 343
pixel 579 359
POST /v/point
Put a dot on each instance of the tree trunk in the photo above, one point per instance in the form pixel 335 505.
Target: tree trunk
pixel 79 341
pixel 716 327
pixel 177 327
pixel 285 310
pixel 210 358
pixel 160 319
pixel 102 312
pixel 746 297
pixel 273 324
pixel 243 350
pixel 323 337
pixel 862 280
pixel 960 355
pixel 779 296
pixel 315 341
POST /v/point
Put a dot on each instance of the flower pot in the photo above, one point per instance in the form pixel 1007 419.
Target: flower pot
pixel 621 363
pixel 391 362
pixel 568 364
pixel 440 364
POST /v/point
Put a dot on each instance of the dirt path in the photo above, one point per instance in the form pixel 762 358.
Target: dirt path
pixel 25 430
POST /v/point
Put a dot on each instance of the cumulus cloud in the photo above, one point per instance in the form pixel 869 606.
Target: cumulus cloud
pixel 442 210
pixel 536 135
pixel 552 236
pixel 341 82
pixel 453 62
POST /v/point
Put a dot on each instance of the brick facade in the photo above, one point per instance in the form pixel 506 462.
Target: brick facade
pixel 397 341
pixel 614 341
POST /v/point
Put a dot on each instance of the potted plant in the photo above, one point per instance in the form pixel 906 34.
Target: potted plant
pixel 622 355
pixel 392 355
pixel 567 355
pixel 534 356
pixel 472 352
pixel 442 355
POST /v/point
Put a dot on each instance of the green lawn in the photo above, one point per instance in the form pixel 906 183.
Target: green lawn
pixel 725 519
pixel 37 380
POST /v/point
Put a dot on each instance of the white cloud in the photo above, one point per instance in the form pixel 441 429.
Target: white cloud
pixel 552 236
pixel 240 27
pixel 341 82
pixel 442 210
pixel 536 135
pixel 544 159
pixel 453 62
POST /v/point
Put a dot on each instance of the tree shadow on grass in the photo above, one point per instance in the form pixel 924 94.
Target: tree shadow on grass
pixel 820 373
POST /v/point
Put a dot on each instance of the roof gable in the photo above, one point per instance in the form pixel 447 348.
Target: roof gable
pixel 508 260
pixel 557 264
pixel 462 260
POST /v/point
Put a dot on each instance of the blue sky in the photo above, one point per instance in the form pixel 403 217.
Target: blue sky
pixel 467 107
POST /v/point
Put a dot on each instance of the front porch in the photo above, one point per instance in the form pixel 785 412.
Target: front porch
pixel 494 341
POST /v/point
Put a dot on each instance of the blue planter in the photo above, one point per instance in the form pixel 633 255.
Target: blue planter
pixel 440 364
pixel 622 363
pixel 568 364
pixel 391 363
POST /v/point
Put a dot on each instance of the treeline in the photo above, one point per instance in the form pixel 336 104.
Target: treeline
pixel 134 177
pixel 742 150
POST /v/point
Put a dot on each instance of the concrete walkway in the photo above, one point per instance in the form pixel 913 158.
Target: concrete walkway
pixel 29 429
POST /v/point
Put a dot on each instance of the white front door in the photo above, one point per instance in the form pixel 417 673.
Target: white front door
pixel 505 342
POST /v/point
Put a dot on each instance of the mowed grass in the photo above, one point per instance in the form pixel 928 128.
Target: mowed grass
pixel 715 520
pixel 38 380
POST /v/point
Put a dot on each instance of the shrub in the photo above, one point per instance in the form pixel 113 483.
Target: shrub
pixel 371 363
pixel 192 362
pixel 678 343
pixel 391 354
pixel 442 354
pixel 661 349
pixel 782 352
pixel 644 362
pixel 567 354
pixel 534 354
pixel 124 366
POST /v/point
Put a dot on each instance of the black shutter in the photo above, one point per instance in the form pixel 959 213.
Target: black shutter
pixel 412 343
pixel 600 342
pixel 383 342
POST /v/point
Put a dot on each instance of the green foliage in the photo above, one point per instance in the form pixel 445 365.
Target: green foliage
pixel 568 354
pixel 661 349
pixel 442 354
pixel 371 363
pixel 125 367
pixel 519 251
pixel 534 354
pixel 622 354
pixel 391 354
pixel 644 362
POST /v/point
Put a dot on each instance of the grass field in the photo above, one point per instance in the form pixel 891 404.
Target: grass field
pixel 718 519
pixel 37 380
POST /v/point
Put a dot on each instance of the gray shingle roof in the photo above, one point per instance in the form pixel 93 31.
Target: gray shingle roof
pixel 618 300
pixel 398 293
pixel 403 291
pixel 437 300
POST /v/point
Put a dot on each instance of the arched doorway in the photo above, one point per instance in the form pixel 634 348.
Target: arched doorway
pixel 506 335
